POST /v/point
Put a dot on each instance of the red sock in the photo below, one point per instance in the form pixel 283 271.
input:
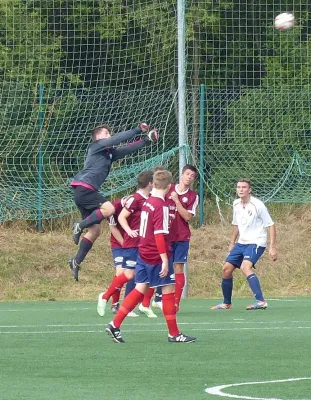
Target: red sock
pixel 147 297
pixel 169 312
pixel 179 285
pixel 115 297
pixel 116 285
pixel 128 305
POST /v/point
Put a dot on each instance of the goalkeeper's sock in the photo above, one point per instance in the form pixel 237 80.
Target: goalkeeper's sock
pixel 179 285
pixel 227 286
pixel 169 312
pixel 116 285
pixel 95 218
pixel 128 305
pixel 129 287
pixel 254 284
pixel 84 248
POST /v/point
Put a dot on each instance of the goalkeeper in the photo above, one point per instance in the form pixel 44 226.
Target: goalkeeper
pixel 93 206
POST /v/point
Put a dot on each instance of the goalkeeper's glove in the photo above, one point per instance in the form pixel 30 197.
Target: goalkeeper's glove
pixel 144 127
pixel 152 136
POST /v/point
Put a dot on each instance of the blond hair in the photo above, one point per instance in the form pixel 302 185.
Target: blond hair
pixel 162 179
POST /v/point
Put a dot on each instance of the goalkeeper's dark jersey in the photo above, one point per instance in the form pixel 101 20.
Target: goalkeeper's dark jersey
pixel 100 156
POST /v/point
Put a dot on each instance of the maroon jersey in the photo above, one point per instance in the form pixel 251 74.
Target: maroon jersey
pixel 113 220
pixel 154 219
pixel 133 205
pixel 179 228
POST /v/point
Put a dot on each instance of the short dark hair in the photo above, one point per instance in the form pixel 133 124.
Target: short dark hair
pixel 246 180
pixel 144 178
pixel 97 129
pixel 191 167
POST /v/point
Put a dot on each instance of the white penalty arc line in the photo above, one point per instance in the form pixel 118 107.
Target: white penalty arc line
pixel 217 390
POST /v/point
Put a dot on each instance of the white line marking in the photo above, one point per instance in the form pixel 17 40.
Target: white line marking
pixel 217 390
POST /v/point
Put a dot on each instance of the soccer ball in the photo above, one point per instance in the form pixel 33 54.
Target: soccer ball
pixel 284 21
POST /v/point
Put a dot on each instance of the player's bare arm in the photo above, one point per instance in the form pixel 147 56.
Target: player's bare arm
pixel 116 234
pixel 185 214
pixel 234 236
pixel 272 249
pixel 123 217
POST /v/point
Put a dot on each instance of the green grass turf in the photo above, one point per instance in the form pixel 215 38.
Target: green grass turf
pixel 59 350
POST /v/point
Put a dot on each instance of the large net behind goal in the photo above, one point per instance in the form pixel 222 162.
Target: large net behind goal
pixel 69 65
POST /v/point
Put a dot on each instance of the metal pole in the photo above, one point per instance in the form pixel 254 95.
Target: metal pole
pixel 40 157
pixel 182 126
pixel 202 131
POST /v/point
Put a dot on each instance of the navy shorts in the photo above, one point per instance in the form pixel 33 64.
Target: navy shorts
pixel 180 252
pixel 147 273
pixel 88 200
pixel 241 252
pixel 129 257
pixel 117 255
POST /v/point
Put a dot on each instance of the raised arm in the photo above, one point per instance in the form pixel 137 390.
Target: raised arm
pixel 118 138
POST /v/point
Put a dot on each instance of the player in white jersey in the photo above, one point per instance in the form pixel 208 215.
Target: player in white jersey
pixel 251 220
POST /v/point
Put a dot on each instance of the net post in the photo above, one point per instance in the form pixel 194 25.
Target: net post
pixel 182 127
pixel 201 170
pixel 40 157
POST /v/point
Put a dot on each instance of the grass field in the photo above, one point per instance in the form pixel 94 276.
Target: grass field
pixel 59 350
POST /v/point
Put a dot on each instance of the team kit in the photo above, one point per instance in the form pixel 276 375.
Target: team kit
pixel 150 233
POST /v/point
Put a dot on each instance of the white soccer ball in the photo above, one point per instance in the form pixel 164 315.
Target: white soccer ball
pixel 284 21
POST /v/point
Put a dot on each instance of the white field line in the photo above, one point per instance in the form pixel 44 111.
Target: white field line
pixel 155 330
pixel 235 322
pixel 217 390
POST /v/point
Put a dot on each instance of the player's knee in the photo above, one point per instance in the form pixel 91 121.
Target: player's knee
pixel 107 209
pixel 179 268
pixel 227 270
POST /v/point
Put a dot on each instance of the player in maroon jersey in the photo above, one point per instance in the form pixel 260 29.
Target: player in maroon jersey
pixel 129 219
pixel 154 264
pixel 182 203
pixel 116 243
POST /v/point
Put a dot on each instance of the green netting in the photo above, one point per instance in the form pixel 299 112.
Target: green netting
pixel 115 61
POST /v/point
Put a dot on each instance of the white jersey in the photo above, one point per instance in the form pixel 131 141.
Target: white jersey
pixel 252 221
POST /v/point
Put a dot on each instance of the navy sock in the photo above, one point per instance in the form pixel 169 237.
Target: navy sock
pixel 95 218
pixel 158 295
pixel 227 285
pixel 254 284
pixel 129 287
pixel 84 248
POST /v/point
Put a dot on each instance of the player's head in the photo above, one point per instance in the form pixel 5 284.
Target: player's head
pixel 101 132
pixel 158 168
pixel 244 188
pixel 188 174
pixel 145 179
pixel 162 180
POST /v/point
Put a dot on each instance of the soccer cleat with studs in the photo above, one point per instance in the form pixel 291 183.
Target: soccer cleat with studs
pixel 114 333
pixel 144 127
pixel 222 306
pixel 258 305
pixel 153 136
pixel 180 338
pixel 75 267
pixel 77 231
pixel 101 305
pixel 147 311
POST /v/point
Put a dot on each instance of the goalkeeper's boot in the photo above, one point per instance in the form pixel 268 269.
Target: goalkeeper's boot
pixel 101 305
pixel 147 311
pixel 75 267
pixel 152 136
pixel 258 305
pixel 77 231
pixel 144 127
pixel 222 306
pixel 180 338
pixel 115 333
